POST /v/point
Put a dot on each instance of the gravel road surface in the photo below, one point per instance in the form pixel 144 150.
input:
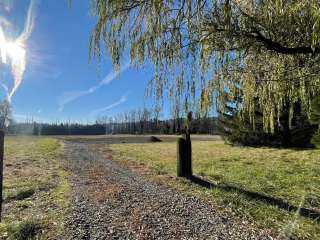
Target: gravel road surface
pixel 111 202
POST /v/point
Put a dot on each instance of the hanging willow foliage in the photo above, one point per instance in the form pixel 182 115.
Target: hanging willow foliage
pixel 201 48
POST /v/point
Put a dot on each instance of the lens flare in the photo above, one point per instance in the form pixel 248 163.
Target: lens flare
pixel 3 49
pixel 16 51
pixel 13 52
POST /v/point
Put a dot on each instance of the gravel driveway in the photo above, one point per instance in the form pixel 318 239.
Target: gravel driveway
pixel 112 202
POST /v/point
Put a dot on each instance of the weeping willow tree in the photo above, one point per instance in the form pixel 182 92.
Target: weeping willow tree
pixel 200 48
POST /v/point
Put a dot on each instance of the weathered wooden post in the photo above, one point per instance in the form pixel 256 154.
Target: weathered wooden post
pixel 184 151
pixel 1 169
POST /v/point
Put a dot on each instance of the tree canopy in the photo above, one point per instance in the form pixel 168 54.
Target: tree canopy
pixel 200 49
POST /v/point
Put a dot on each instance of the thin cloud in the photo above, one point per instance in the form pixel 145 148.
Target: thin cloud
pixel 71 96
pixel 6 89
pixel 96 112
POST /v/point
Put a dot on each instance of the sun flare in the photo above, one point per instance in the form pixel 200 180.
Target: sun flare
pixel 13 53
pixel 14 50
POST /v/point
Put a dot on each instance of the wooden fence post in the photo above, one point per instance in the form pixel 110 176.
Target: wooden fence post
pixel 184 151
pixel 181 146
pixel 1 170
pixel 188 158
pixel 184 158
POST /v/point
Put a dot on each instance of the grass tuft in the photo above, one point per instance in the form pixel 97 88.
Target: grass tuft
pixel 22 194
pixel 26 230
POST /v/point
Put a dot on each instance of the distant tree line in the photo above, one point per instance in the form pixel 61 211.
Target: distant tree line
pixel 134 122
pixel 68 129
pixel 147 122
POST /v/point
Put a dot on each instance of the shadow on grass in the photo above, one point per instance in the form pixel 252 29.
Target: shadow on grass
pixel 305 212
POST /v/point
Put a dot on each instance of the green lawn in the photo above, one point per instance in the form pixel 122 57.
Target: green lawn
pixel 291 175
pixel 35 189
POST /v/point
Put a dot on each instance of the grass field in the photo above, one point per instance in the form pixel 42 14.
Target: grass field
pixel 35 189
pixel 290 175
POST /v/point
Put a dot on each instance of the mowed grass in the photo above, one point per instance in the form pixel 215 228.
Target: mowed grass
pixel 35 189
pixel 290 175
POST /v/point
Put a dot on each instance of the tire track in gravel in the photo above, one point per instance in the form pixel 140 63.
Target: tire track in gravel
pixel 111 202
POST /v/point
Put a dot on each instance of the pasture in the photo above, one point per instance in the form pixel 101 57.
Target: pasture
pixel 255 186
pixel 35 188
pixel 290 176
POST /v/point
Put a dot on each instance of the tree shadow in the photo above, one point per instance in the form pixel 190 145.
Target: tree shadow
pixel 305 212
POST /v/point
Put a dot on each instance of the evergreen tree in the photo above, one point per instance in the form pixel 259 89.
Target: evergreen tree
pixel 315 119
pixel 238 129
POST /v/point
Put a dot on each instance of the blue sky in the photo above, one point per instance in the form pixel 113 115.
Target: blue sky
pixel 59 82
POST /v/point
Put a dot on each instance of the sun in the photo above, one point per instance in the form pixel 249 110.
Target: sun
pixel 13 53
pixel 14 50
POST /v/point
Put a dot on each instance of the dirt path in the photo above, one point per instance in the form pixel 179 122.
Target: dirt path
pixel 111 202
